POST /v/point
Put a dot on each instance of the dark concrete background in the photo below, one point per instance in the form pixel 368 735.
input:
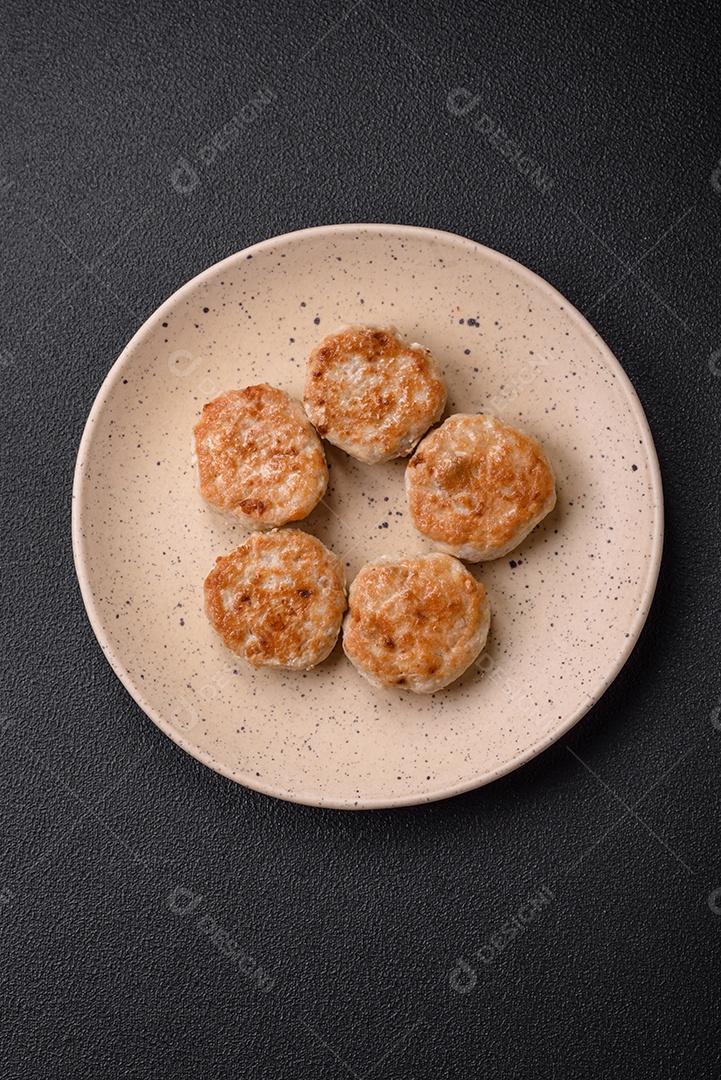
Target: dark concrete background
pixel 160 921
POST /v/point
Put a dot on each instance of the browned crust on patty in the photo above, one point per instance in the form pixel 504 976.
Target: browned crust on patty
pixel 372 394
pixel 415 622
pixel 478 481
pixel 278 599
pixel 259 457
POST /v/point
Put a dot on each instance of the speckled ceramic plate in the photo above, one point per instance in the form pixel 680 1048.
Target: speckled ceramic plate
pixel 567 605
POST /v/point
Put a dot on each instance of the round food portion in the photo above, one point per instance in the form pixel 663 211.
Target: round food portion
pixel 259 458
pixel 477 486
pixel 371 394
pixel 415 623
pixel 278 599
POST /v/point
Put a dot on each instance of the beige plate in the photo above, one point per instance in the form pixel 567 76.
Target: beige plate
pixel 568 605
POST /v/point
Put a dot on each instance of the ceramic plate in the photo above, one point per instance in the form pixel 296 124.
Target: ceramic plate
pixel 568 605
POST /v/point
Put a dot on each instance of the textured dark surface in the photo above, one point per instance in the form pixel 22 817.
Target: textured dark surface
pixel 110 833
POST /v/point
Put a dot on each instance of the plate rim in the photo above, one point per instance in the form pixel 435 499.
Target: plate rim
pixel 306 798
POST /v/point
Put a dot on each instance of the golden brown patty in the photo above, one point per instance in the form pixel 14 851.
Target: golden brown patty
pixel 477 487
pixel 278 599
pixel 416 623
pixel 259 458
pixel 371 394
